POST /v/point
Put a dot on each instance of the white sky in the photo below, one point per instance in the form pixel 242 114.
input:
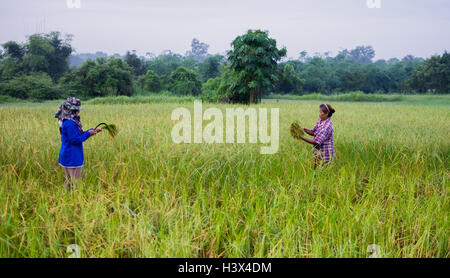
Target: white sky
pixel 398 28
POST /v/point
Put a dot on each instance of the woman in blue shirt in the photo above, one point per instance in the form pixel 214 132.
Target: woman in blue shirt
pixel 71 155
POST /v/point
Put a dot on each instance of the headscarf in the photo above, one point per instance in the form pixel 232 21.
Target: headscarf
pixel 69 111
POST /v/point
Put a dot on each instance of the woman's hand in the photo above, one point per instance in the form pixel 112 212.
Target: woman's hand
pixel 308 131
pixel 93 132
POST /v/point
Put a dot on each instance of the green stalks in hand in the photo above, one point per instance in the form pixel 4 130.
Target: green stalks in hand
pixel 112 128
pixel 296 130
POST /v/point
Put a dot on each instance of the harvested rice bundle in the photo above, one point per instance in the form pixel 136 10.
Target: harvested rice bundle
pixel 112 128
pixel 296 130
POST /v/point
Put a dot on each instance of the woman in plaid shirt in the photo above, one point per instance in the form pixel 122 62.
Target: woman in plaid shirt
pixel 323 136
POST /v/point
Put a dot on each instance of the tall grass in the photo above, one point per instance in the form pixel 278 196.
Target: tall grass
pixel 156 98
pixel 8 99
pixel 144 196
pixel 361 97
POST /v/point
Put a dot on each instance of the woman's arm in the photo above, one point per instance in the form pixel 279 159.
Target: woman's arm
pixel 319 137
pixel 308 131
pixel 310 141
pixel 73 133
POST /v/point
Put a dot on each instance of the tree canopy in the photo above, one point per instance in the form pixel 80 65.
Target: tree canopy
pixel 38 69
pixel 41 53
pixel 184 81
pixel 99 78
pixel 253 58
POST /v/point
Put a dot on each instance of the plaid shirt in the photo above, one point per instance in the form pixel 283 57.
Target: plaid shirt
pixel 323 136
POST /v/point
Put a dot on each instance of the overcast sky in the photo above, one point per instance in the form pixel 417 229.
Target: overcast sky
pixel 398 28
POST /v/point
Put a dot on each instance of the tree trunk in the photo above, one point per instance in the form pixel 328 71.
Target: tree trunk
pixel 252 90
pixel 259 95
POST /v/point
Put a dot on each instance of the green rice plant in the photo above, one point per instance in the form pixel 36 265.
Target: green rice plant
pixel 296 130
pixel 145 196
pixel 111 128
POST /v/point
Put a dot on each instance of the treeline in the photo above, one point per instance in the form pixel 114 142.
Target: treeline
pixel 38 69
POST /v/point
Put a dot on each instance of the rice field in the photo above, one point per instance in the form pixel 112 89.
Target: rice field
pixel 144 196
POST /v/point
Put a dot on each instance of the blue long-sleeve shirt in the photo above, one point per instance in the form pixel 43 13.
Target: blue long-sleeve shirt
pixel 71 153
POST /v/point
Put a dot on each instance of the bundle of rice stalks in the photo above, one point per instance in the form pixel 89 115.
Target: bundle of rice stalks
pixel 297 130
pixel 112 128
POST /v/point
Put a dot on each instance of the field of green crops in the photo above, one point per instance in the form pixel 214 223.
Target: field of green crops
pixel 144 196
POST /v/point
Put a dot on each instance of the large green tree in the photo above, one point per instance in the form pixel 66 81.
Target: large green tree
pixel 152 82
pixel 184 81
pixel 99 78
pixel 165 63
pixel 433 75
pixel 41 53
pixel 289 81
pixel 59 59
pixel 135 63
pixel 13 50
pixel 211 67
pixel 253 58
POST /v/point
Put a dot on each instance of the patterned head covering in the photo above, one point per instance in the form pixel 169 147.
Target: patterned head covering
pixel 69 110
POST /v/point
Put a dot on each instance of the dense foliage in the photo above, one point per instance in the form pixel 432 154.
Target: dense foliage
pixel 99 78
pixel 35 86
pixel 184 81
pixel 253 58
pixel 39 69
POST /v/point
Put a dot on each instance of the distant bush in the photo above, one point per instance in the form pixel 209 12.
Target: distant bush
pixel 36 86
pixel 156 98
pixel 150 82
pixel 352 96
pixel 184 82
pixel 210 90
pixel 99 78
pixel 8 99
